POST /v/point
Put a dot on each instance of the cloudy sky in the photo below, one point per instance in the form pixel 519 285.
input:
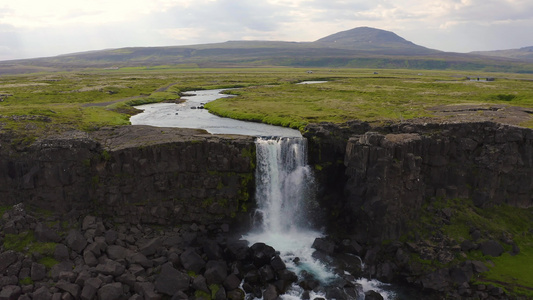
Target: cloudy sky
pixel 36 28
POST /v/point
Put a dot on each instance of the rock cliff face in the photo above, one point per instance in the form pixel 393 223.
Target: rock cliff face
pixel 391 171
pixel 134 174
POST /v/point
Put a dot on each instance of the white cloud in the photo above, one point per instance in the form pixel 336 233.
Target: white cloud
pixel 37 28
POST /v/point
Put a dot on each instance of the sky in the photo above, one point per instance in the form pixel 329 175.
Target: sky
pixel 37 28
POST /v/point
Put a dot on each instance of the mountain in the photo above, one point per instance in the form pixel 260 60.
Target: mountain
pixel 361 47
pixel 372 39
pixel 525 54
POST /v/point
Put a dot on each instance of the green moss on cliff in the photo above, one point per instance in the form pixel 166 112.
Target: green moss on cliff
pixel 445 224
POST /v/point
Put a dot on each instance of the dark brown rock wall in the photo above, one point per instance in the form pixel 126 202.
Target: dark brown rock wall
pixel 392 173
pixel 134 174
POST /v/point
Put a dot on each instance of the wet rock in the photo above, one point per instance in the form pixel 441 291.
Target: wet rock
pixel 220 293
pixel 270 293
pixel 236 294
pixel 373 295
pixel 262 254
pixel 170 280
pixel 231 282
pixel 492 248
pixel 324 245
pixel 112 291
pixel 267 273
pixel 277 263
pixel 238 250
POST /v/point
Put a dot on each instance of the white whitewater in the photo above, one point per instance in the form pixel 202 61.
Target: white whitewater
pixel 284 193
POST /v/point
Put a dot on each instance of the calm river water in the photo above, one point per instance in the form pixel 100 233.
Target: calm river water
pixel 188 115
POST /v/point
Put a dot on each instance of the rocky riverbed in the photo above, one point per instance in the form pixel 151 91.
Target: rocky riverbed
pixel 95 259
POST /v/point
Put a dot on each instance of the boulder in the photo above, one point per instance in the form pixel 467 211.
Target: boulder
pixel 216 272
pixel 140 259
pixel 170 280
pixel 42 293
pixel 110 267
pixel 90 288
pixel 492 248
pixel 270 293
pixel 212 250
pixel 231 282
pixel 262 254
pixel 277 263
pixel 373 295
pixel 38 272
pixel 111 291
pixel 10 292
pixel 71 288
pixel 76 241
pixel 191 261
pixel 115 252
pixel 238 250
pixel 324 245
pixel 45 234
pixel 151 247
pixel 61 252
pixel 200 284
pixel 6 259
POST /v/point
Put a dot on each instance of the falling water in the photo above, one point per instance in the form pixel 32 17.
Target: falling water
pixel 285 198
pixel 286 210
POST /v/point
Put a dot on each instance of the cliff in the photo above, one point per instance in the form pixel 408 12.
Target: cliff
pixel 135 174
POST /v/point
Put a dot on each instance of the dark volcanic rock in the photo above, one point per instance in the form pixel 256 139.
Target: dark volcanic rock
pixel 170 280
pixel 492 248
pixel 191 261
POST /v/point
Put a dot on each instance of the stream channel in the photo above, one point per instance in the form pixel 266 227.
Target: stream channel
pixel 284 188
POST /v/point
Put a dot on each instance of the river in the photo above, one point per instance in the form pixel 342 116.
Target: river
pixel 190 114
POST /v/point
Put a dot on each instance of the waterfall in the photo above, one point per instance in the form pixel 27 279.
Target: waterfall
pixel 285 199
pixel 284 184
pixel 285 190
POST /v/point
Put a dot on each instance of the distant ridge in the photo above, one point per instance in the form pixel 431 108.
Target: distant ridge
pixel 525 53
pixel 361 47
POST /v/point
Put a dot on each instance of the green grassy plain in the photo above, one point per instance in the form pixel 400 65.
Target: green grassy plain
pixel 43 103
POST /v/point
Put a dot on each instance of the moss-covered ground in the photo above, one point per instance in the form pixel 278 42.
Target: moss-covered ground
pixel 502 223
pixel 51 102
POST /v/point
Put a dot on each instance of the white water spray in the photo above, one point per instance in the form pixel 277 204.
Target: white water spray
pixel 285 195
